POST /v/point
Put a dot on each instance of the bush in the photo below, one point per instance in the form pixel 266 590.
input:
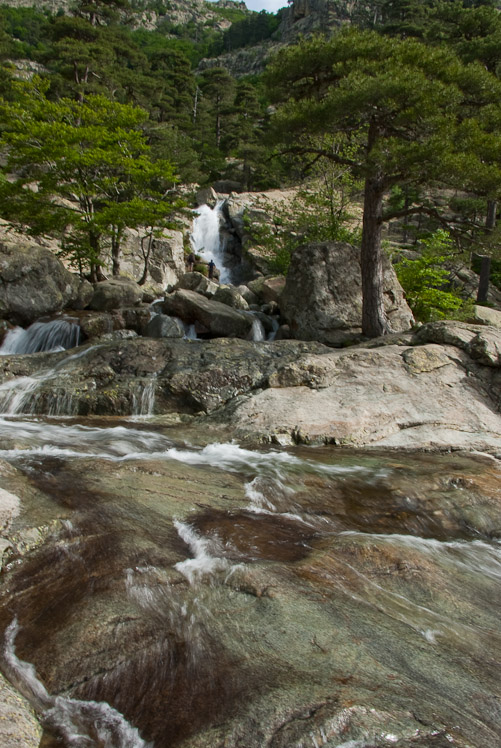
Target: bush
pixel 426 283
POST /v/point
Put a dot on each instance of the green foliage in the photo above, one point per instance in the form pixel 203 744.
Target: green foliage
pixel 231 14
pixel 426 282
pixel 249 30
pixel 28 27
pixel 92 168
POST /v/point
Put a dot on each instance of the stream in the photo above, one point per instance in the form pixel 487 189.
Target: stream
pixel 162 590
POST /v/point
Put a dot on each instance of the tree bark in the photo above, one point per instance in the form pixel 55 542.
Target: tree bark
pixel 374 320
pixel 485 266
pixel 483 283
pixel 115 255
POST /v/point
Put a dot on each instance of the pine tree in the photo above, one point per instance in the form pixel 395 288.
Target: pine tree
pixel 413 114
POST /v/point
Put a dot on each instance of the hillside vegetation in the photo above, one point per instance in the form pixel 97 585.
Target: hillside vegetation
pixel 398 104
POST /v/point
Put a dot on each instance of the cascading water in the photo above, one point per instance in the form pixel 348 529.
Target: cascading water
pixel 56 335
pixel 206 238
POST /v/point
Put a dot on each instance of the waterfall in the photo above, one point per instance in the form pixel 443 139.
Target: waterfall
pixel 206 237
pixel 257 332
pixel 143 398
pixel 57 335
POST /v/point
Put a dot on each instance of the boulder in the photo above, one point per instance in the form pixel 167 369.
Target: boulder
pixel 322 298
pixel 486 316
pixel 268 289
pixel 162 326
pixel 482 343
pixel 432 396
pixel 34 283
pixel 219 319
pixel 249 296
pixel 230 296
pixel 115 293
pixel 206 196
pixel 198 282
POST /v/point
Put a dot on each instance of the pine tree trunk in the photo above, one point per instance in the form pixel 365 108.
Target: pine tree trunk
pixel 374 320
pixel 485 266
pixel 115 256
pixel 483 283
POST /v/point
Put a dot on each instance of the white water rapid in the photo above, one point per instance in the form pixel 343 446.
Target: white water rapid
pixel 206 238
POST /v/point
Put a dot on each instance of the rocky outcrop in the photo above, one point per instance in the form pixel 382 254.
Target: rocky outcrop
pixel 115 293
pixel 166 262
pixel 322 298
pixel 397 396
pixel 34 283
pixel 231 296
pixel 198 282
pixel 219 320
pixel 162 326
pixel 399 392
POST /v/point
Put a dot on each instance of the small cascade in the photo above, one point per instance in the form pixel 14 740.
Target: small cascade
pixel 257 332
pixel 143 398
pixel 57 335
pixel 203 563
pixel 206 237
pixel 26 394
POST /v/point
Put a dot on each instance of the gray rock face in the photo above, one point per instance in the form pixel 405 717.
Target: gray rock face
pixel 398 395
pixel 114 294
pixel 220 320
pixel 430 396
pixel 33 283
pixel 162 326
pixel 322 298
pixel 268 289
pixel 166 263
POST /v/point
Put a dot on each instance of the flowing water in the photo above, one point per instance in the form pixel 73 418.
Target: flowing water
pixel 163 590
pixel 56 335
pixel 206 239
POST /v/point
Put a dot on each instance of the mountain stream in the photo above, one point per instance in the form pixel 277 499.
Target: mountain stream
pixel 161 590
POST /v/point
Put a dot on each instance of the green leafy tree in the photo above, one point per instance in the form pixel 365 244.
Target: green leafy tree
pixel 84 170
pixel 406 109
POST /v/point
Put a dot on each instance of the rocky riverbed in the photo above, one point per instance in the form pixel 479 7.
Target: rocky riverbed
pixel 437 388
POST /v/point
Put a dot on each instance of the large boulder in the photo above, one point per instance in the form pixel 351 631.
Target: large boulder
pixel 322 298
pixel 231 296
pixel 198 282
pixel 162 326
pixel 34 283
pixel 430 396
pixel 220 320
pixel 115 293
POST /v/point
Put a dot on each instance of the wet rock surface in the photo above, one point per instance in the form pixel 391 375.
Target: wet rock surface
pixel 217 597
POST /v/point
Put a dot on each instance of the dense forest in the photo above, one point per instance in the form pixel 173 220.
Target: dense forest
pixel 398 110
